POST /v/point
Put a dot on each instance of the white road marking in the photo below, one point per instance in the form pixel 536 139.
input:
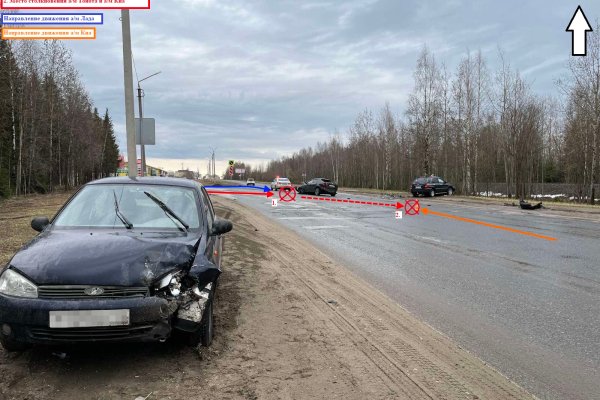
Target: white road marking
pixel 312 228
pixel 314 217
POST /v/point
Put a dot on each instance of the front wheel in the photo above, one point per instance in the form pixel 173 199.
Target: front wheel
pixel 300 191
pixel 432 193
pixel 204 334
pixel 450 191
pixel 333 194
pixel 208 326
pixel 317 192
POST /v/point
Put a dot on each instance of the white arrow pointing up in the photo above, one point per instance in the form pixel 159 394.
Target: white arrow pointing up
pixel 579 26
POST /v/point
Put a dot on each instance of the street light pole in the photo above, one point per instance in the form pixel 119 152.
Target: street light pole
pixel 129 107
pixel 142 146
pixel 212 162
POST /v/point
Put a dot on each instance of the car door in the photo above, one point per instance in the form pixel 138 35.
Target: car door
pixel 443 185
pixel 312 185
pixel 435 183
pixel 213 243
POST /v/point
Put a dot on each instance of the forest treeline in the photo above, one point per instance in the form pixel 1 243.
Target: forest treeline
pixel 50 134
pixel 472 126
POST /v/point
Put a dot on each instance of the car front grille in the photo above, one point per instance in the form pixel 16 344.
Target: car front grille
pixel 79 292
pixel 90 334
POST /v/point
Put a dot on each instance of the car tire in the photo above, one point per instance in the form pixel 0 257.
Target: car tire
pixel 300 191
pixel 333 194
pixel 12 346
pixel 450 191
pixel 207 329
pixel 432 193
pixel 415 194
pixel 317 192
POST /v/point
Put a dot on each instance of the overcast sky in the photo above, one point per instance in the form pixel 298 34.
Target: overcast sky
pixel 262 79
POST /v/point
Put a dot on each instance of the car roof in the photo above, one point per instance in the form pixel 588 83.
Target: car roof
pixel 147 180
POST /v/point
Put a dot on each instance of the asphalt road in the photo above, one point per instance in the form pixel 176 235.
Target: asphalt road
pixel 527 306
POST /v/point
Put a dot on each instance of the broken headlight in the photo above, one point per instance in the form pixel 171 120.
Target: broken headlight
pixel 170 284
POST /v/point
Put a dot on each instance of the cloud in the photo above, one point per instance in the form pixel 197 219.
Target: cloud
pixel 261 79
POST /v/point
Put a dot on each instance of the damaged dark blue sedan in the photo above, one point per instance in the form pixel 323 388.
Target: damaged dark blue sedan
pixel 123 260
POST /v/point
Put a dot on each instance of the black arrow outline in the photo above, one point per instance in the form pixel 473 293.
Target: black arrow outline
pixel 573 33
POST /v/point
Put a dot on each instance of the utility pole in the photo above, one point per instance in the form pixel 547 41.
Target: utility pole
pixel 142 146
pixel 129 108
pixel 212 162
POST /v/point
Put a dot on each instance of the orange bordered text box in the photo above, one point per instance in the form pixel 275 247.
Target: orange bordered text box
pixel 48 33
pixel 75 4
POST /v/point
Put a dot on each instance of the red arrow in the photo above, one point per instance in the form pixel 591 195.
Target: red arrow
pixel 268 194
pixel 398 205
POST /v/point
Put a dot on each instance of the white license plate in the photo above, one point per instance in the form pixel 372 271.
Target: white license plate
pixel 417 187
pixel 88 318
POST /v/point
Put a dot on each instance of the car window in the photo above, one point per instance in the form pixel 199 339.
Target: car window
pixel 208 209
pixel 325 180
pixel 94 206
pixel 420 181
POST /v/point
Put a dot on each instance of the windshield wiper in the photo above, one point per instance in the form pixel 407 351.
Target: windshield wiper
pixel 167 210
pixel 123 219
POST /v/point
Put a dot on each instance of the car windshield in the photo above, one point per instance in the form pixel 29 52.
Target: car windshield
pixel 284 180
pixel 94 206
pixel 420 181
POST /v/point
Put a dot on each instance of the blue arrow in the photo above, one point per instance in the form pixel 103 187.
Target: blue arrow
pixel 264 188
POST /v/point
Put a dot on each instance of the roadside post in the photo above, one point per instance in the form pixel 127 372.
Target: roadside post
pixel 128 79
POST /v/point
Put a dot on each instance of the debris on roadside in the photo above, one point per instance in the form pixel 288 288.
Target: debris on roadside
pixel 528 206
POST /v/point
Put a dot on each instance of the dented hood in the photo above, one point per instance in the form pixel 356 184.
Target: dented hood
pixel 65 257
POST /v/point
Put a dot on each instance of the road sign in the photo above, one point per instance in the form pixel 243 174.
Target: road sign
pixel 146 134
pixel 231 162
pixel 240 170
pixel 231 171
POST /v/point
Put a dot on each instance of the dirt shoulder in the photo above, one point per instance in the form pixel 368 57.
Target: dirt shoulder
pixel 290 324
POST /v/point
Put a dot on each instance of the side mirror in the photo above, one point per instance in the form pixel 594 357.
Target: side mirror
pixel 40 223
pixel 221 226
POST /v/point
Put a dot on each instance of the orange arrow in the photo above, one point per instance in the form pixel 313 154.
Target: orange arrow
pixel 473 221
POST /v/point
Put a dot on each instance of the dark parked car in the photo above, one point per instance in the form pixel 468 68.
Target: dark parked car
pixel 318 186
pixel 431 186
pixel 123 260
